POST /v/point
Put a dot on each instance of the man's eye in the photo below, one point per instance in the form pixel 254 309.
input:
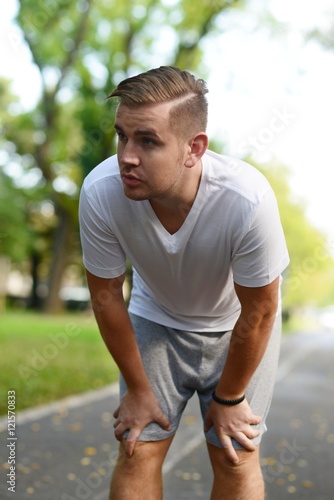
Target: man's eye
pixel 121 137
pixel 148 141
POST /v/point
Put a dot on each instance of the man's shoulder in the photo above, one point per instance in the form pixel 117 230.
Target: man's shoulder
pixel 236 176
pixel 107 169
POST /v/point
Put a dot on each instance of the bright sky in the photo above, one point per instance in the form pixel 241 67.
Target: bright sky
pixel 271 94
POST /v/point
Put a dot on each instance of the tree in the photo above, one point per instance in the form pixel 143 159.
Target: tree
pixel 82 49
pixel 13 234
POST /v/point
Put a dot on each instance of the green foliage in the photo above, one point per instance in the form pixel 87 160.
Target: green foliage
pixel 15 237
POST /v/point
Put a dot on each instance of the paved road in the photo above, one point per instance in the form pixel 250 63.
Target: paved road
pixel 66 451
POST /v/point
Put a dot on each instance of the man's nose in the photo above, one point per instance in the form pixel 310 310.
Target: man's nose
pixel 129 154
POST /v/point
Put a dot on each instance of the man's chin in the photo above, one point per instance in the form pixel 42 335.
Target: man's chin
pixel 135 196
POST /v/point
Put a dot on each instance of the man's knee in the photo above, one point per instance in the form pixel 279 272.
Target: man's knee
pixel 249 462
pixel 141 473
pixel 241 481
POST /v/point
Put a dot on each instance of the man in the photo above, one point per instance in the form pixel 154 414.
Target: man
pixel 203 234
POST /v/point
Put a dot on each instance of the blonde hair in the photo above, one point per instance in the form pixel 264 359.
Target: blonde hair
pixel 189 114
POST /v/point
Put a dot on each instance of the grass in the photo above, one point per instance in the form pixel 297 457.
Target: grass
pixel 45 358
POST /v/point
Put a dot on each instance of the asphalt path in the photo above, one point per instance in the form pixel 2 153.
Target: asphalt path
pixel 66 451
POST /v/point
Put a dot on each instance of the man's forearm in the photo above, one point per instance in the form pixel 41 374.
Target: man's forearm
pixel 247 347
pixel 118 335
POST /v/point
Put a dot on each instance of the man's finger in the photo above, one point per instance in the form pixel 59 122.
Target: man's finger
pixel 255 420
pixel 251 433
pixel 119 431
pixel 245 441
pixel 131 440
pixel 207 424
pixel 226 443
pixel 163 422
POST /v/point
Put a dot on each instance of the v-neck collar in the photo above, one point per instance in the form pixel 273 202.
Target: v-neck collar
pixel 190 218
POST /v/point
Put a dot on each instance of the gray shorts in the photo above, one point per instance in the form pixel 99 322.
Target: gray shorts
pixel 179 363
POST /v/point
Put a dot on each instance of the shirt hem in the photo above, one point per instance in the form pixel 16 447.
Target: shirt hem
pixel 104 273
pixel 164 320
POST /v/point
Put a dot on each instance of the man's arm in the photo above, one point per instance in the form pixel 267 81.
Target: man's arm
pixel 139 405
pixel 248 343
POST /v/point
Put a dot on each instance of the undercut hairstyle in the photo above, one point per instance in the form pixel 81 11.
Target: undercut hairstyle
pixel 188 116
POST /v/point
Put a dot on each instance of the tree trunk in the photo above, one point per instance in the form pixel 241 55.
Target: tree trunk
pixel 4 275
pixel 34 300
pixel 60 253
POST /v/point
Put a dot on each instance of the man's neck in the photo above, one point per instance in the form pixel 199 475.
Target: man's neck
pixel 173 210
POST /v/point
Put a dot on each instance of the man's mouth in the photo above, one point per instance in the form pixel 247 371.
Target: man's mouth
pixel 131 180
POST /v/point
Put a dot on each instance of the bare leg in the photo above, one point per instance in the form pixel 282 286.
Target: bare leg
pixel 243 481
pixel 140 476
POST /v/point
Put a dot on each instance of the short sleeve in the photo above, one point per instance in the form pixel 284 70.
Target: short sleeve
pixel 262 254
pixel 103 256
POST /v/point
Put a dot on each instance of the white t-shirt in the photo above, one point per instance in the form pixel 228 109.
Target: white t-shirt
pixel 185 280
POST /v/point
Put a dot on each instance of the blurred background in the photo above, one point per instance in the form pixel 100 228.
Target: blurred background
pixel 269 67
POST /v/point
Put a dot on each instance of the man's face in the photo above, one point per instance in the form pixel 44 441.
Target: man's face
pixel 150 156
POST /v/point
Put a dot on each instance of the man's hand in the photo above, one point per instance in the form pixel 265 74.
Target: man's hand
pixel 136 411
pixel 233 422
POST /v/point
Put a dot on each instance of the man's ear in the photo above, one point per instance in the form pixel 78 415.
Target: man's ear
pixel 197 147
